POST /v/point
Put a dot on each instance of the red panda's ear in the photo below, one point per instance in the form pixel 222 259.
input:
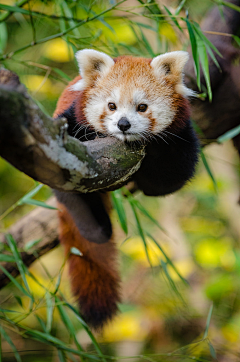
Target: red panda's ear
pixel 172 64
pixel 93 64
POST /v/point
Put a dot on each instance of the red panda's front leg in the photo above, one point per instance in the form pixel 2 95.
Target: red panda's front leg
pixel 85 225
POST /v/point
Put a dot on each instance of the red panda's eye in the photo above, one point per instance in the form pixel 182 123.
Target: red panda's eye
pixel 112 106
pixel 142 108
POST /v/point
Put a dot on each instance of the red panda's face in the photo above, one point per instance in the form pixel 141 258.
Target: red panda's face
pixel 132 98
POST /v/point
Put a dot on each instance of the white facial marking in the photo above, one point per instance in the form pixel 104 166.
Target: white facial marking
pixel 153 89
pixel 78 86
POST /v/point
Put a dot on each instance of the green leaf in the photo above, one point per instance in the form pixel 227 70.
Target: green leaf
pixel 31 244
pixel 205 39
pixel 37 203
pixel 41 322
pixel 205 66
pixel 85 326
pixel 117 199
pixel 208 169
pixel 3 37
pixel 180 6
pixel 237 39
pixel 229 135
pixel 75 251
pixel 229 5
pixel 61 355
pixel 11 344
pixel 67 322
pixel 147 44
pixel 193 42
pixel 7 258
pixel 19 300
pixel 212 350
pixel 208 321
pixel 21 267
pixel 173 18
pixel 169 261
pixel 171 282
pixel 50 309
pixel 31 193
pixel 62 74
pixel 140 231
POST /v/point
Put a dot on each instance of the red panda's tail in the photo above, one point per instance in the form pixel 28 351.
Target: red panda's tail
pixel 94 276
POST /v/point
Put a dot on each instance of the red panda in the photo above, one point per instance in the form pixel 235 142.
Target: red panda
pixel 134 100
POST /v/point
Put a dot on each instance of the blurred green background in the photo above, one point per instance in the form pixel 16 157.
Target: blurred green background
pixel 162 317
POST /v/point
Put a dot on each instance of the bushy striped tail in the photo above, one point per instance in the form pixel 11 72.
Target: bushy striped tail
pixel 94 275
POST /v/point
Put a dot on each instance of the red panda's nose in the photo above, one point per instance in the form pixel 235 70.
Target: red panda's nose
pixel 123 124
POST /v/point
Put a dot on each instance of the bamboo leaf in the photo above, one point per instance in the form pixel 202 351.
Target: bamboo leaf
pixel 147 44
pixel 212 350
pixel 169 261
pixel 193 42
pixel 50 309
pixel 3 37
pixel 37 203
pixel 31 244
pixel 7 258
pixel 180 6
pixel 118 206
pixel 208 321
pixel 76 251
pixel 62 74
pixel 67 322
pixel 208 169
pixel 140 231
pixel 61 355
pixel 205 66
pixel 173 18
pixel 229 135
pixel 169 279
pixel 11 344
pixel 21 267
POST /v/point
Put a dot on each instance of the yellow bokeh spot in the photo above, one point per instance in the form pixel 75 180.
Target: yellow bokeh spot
pixel 230 333
pixel 125 34
pixel 127 326
pixel 39 84
pixel 166 30
pixel 35 286
pixel 185 267
pixel 58 50
pixel 213 253
pixel 134 247
pixel 122 32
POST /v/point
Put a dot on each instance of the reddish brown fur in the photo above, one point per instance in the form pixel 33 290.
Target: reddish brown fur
pixel 94 276
pixel 67 97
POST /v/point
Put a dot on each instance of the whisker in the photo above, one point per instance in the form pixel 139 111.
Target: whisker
pixel 177 136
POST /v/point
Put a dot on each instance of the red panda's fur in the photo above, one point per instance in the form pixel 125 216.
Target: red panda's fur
pixel 165 168
pixel 94 275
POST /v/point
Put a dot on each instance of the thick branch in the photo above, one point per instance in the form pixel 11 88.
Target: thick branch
pixel 40 146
